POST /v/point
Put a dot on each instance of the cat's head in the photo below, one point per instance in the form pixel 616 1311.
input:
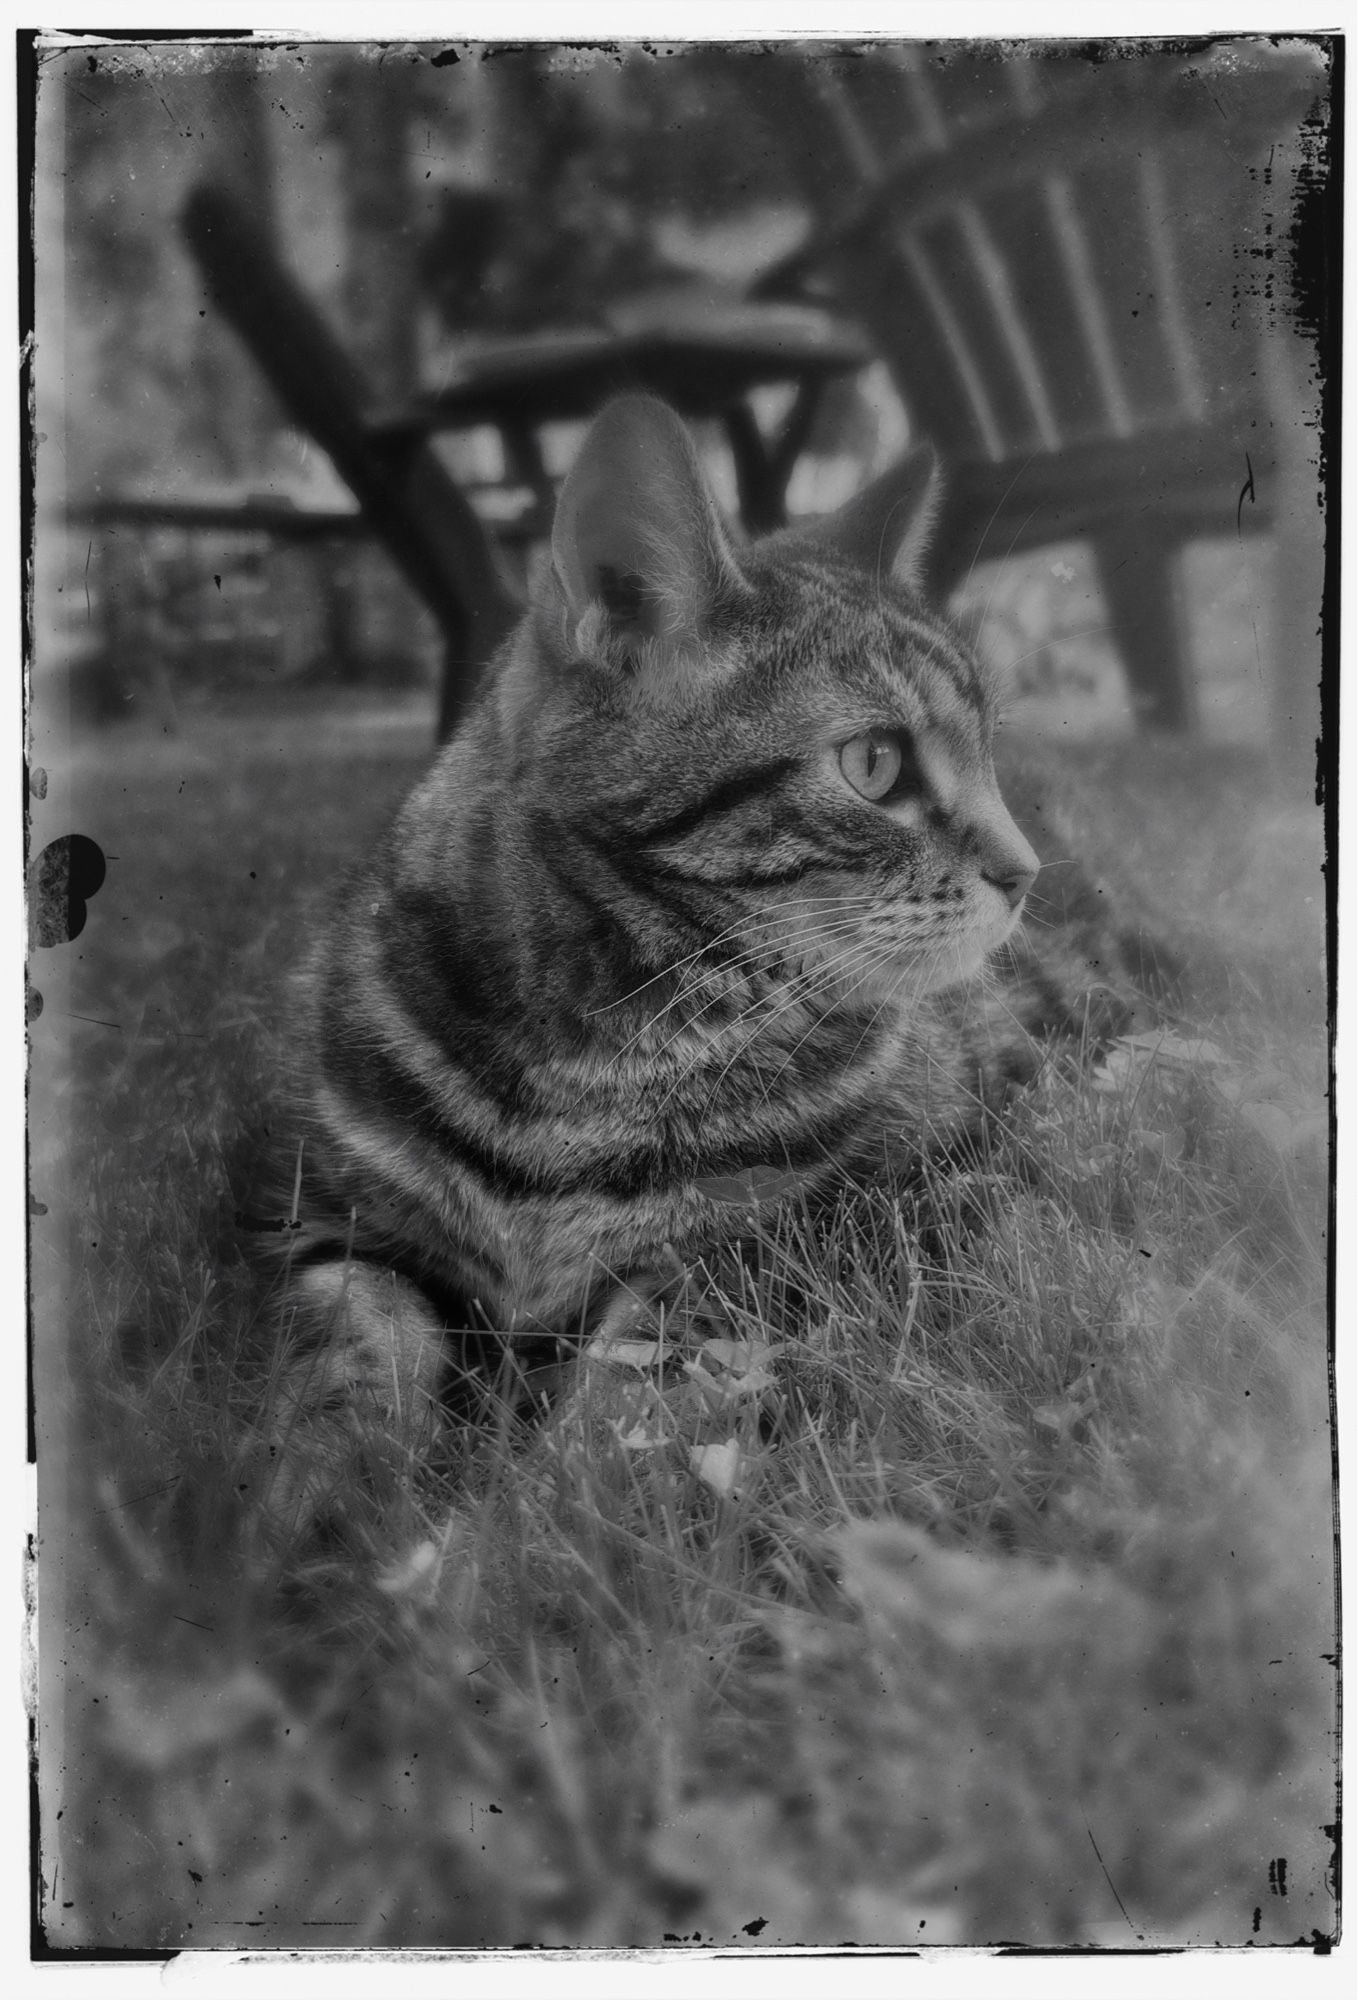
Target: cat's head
pixel 783 735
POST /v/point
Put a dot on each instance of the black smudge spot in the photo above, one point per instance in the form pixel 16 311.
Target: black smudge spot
pixel 62 879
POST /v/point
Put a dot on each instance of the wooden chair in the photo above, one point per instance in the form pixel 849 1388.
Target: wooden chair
pixel 1056 259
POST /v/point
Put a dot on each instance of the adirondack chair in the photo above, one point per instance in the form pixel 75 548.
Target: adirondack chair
pixel 1049 256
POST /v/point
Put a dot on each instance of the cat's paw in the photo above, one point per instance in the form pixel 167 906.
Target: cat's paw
pixel 672 1302
pixel 352 1412
pixel 639 1304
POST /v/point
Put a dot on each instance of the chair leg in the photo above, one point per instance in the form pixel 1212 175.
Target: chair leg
pixel 1138 573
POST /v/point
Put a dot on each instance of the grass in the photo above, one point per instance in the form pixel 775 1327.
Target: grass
pixel 953 1570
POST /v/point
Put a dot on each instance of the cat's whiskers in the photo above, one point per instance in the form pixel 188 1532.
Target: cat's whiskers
pixel 994 516
pixel 801 988
pixel 892 998
pixel 1060 639
pixel 785 1003
pixel 990 987
pixel 879 569
pixel 803 983
pixel 933 957
pixel 877 957
pixel 791 992
pixel 921 971
pixel 893 995
pixel 694 971
pixel 726 981
pixel 1003 954
pixel 736 929
pixel 1013 544
pixel 727 978
pixel 729 973
pixel 879 953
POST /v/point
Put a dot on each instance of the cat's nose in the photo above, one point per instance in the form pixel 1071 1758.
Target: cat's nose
pixel 1013 887
pixel 1010 866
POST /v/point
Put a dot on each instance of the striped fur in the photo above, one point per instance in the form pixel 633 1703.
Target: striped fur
pixel 636 934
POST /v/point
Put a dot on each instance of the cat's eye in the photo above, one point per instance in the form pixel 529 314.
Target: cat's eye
pixel 876 762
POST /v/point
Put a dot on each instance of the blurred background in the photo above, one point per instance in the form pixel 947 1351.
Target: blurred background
pixel 319 326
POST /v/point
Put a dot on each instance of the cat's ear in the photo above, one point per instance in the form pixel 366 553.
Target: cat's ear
pixel 639 552
pixel 886 528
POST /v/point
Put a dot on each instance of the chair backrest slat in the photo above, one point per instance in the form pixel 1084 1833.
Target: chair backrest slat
pixel 936 132
pixel 1174 323
pixel 864 153
pixel 956 342
pixel 859 146
pixel 1024 79
pixel 997 287
pixel 1072 245
pixel 926 113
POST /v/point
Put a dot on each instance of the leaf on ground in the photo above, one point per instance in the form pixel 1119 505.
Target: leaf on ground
pixel 740 1355
pixel 640 1437
pixel 1119 1070
pixel 648 1428
pixel 733 1368
pixel 717 1465
pixel 415 1571
pixel 643 1355
pixel 1131 1058
pixel 637 1413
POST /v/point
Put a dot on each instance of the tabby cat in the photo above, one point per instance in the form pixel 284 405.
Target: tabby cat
pixel 676 913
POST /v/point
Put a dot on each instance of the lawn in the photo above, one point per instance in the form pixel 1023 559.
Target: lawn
pixel 957 1570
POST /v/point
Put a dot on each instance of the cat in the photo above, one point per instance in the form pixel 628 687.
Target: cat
pixel 684 908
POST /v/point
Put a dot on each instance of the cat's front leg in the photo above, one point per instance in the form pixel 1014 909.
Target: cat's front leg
pixel 353 1407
